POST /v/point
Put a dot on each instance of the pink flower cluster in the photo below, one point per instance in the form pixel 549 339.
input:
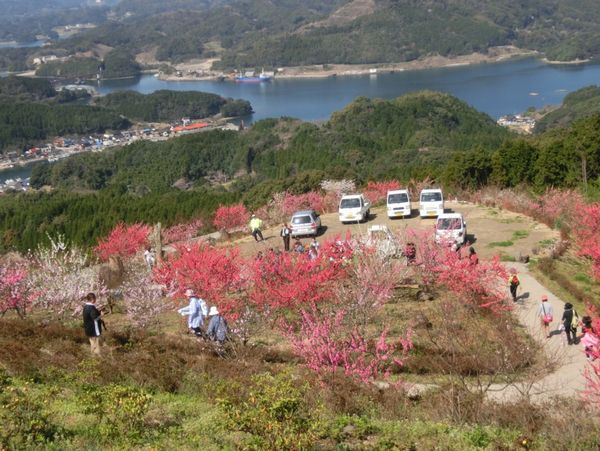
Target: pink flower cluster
pixel 587 235
pixel 376 192
pixel 231 218
pixel 327 344
pixel 123 241
pixel 14 293
pixel 182 232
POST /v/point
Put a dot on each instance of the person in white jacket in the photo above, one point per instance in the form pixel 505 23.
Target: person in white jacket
pixel 196 311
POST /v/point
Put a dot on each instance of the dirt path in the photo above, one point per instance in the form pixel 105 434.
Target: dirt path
pixel 492 232
pixel 567 378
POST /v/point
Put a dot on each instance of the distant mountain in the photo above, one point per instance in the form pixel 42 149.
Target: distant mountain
pixel 273 33
pixel 285 32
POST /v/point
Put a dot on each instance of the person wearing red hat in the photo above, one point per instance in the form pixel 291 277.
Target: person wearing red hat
pixel 546 314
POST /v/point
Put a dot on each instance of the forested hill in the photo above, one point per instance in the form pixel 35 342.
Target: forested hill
pixel 576 105
pixel 271 33
pixel 370 139
pixel 415 136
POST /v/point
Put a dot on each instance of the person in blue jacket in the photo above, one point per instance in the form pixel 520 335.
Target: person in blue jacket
pixel 196 311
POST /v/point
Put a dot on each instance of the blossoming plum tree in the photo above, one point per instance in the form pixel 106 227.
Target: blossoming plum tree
pixel 14 292
pixel 231 218
pixel 123 241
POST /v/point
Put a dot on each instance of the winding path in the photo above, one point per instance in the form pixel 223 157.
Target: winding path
pixel 567 378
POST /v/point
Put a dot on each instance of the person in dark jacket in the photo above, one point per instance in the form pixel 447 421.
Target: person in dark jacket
pixel 567 320
pixel 92 323
pixel 285 235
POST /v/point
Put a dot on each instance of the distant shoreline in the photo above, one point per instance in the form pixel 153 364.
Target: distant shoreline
pixel 494 55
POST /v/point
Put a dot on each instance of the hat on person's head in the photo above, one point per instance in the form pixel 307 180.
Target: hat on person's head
pixel 213 311
pixel 544 297
pixel 568 305
pixel 253 215
pixel 189 292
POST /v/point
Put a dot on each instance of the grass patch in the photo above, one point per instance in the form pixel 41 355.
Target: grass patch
pixel 584 278
pixel 507 258
pixel 544 244
pixel 520 234
pixel 500 244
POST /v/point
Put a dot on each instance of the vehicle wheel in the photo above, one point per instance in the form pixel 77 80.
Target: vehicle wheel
pixel 368 215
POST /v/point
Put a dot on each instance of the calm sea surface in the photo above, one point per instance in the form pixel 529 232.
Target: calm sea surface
pixel 496 89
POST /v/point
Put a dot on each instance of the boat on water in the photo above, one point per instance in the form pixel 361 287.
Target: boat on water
pixel 250 77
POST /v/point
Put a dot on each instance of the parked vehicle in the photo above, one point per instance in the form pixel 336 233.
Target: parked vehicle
pixel 431 203
pixel 398 204
pixel 354 207
pixel 383 240
pixel 451 229
pixel 305 222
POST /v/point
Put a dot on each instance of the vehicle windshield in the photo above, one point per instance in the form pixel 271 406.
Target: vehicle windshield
pixel 431 197
pixel 449 224
pixel 301 220
pixel 398 198
pixel 350 203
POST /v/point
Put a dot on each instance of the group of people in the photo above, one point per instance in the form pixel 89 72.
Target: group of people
pixel 197 311
pixel 570 323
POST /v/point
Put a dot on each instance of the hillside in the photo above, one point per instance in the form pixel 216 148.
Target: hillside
pixel 418 136
pixel 31 110
pixel 282 33
pixel 576 105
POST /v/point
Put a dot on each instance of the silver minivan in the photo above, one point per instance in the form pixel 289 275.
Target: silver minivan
pixel 305 222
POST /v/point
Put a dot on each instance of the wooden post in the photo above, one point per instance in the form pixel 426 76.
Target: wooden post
pixel 157 242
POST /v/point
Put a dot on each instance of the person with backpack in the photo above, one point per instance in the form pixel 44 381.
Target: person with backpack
pixel 92 323
pixel 546 314
pixel 217 329
pixel 196 312
pixel 569 318
pixel 513 283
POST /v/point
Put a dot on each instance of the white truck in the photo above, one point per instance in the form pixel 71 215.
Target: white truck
pixel 431 203
pixel 354 208
pixel 451 229
pixel 398 204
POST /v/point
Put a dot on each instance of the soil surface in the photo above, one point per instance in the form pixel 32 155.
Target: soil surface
pixel 491 231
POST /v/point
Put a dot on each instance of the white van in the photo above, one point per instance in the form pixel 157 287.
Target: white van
pixel 431 203
pixel 354 207
pixel 451 229
pixel 398 204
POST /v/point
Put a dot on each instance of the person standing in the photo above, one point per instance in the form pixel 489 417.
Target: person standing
pixel 285 235
pixel 513 283
pixel 567 321
pixel 217 329
pixel 473 258
pixel 545 313
pixel 196 312
pixel 92 323
pixel 314 244
pixel 589 340
pixel 255 226
pixel 149 257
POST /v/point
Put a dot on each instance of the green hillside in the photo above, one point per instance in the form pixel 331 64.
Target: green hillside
pixel 576 105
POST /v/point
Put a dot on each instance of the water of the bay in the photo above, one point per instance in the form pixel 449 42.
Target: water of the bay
pixel 496 89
